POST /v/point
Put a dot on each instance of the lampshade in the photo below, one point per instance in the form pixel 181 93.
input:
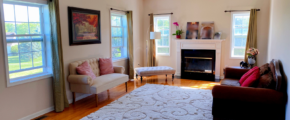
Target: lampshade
pixel 155 35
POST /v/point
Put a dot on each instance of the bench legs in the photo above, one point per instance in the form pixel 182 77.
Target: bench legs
pixel 126 86
pixel 141 79
pixel 136 76
pixel 96 100
pixel 172 77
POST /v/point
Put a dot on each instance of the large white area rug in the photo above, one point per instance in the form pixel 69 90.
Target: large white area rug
pixel 158 102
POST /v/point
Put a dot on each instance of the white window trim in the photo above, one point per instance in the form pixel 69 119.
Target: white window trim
pixel 169 46
pixel 232 36
pixel 24 79
pixel 121 58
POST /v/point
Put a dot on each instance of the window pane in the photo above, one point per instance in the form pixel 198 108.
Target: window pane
pixel 12 48
pixel 116 32
pixel 33 14
pixel 34 28
pixel 238 21
pixel 239 51
pixel 13 62
pixel 37 59
pixel 26 60
pixel 163 50
pixel 24 47
pixel 238 31
pixel 246 21
pixel 22 28
pixel 25 73
pixel 240 41
pixel 116 52
pixel 116 21
pixel 159 22
pixel 8 12
pixel 21 13
pixel 36 46
pixel 10 28
pixel 245 31
pixel 117 42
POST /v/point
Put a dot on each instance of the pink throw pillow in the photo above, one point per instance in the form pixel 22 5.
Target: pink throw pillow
pixel 106 66
pixel 247 74
pixel 85 69
pixel 252 78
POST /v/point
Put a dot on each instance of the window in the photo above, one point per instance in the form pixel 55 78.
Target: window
pixel 240 23
pixel 162 24
pixel 25 41
pixel 118 35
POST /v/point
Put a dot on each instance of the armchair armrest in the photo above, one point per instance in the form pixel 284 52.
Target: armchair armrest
pixel 80 79
pixel 248 94
pixel 119 69
pixel 234 73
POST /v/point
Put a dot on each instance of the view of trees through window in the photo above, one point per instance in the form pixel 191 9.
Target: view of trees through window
pixel 118 33
pixel 161 24
pixel 24 40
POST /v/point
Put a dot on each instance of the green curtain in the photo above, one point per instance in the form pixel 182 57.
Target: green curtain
pixel 151 51
pixel 130 44
pixel 59 92
pixel 252 33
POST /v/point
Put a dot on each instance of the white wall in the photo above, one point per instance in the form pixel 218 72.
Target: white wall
pixel 279 39
pixel 22 100
pixel 209 10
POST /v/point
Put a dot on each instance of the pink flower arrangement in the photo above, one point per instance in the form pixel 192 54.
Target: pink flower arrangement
pixel 252 52
pixel 178 32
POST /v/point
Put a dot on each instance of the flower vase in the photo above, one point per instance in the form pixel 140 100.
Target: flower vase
pixel 251 60
pixel 178 36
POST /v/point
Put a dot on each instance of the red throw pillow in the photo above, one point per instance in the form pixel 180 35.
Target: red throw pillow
pixel 252 78
pixel 247 74
pixel 85 69
pixel 106 66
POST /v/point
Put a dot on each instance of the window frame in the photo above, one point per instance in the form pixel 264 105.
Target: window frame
pixel 29 78
pixel 169 35
pixel 233 14
pixel 119 14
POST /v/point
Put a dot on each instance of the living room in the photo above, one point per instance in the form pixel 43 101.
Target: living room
pixel 147 64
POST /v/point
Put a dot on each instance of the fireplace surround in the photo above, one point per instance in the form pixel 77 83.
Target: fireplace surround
pixel 214 45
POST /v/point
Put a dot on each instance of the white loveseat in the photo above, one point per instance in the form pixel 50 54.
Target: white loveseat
pixel 85 84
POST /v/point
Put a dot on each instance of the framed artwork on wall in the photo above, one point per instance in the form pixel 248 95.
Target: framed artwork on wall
pixel 84 26
pixel 192 30
pixel 207 30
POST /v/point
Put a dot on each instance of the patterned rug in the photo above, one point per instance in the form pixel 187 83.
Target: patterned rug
pixel 158 102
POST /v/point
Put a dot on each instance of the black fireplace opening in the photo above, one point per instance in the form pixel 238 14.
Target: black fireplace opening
pixel 198 64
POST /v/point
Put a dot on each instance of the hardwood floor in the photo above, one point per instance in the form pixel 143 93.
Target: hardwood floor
pixel 87 105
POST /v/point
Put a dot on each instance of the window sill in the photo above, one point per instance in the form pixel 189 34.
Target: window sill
pixel 237 58
pixel 163 55
pixel 120 59
pixel 29 79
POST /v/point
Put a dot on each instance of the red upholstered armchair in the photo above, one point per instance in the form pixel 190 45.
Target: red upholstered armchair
pixel 230 101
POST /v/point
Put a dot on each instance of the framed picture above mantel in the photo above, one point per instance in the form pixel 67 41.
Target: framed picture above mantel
pixel 84 26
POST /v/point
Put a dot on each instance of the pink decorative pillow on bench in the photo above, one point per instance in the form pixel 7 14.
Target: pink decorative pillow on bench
pixel 106 66
pixel 85 69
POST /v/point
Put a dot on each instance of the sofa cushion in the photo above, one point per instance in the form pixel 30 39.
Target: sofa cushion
pixel 85 69
pixel 106 66
pixel 108 81
pixel 247 74
pixel 264 69
pixel 266 81
pixel 252 78
pixel 230 82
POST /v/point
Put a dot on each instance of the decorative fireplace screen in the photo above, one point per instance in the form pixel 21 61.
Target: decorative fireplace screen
pixel 198 64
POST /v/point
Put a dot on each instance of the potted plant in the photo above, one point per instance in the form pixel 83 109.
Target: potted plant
pixel 252 53
pixel 178 32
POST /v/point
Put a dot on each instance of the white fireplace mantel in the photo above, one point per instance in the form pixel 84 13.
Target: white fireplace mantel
pixel 200 44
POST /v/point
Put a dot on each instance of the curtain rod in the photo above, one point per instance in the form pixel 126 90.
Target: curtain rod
pixel 239 10
pixel 120 10
pixel 161 14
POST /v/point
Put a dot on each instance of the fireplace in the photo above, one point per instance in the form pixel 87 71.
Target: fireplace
pixel 198 64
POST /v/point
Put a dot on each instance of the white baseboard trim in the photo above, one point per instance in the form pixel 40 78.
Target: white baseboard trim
pixel 47 110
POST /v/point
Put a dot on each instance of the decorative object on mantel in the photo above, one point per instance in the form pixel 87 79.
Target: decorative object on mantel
pixel 207 30
pixel 244 64
pixel 252 53
pixel 192 30
pixel 178 32
pixel 84 26
pixel 217 35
